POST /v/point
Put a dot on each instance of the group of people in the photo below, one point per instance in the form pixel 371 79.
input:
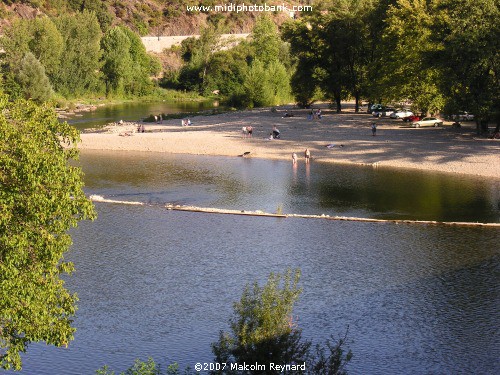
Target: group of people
pixel 186 122
pixel 307 156
pixel 247 131
pixel 159 118
pixel 314 114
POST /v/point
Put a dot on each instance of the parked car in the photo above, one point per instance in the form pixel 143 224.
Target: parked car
pixel 411 118
pixel 463 116
pixel 383 112
pixel 388 111
pixel 401 113
pixel 375 107
pixel 427 121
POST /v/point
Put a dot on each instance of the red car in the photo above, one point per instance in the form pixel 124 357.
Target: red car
pixel 411 118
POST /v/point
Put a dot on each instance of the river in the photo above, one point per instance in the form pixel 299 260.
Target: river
pixel 418 299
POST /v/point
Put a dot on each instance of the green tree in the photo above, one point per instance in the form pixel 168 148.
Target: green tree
pixel 256 86
pixel 33 80
pixel 262 329
pixel 304 81
pixel 467 38
pixel 79 70
pixel 116 68
pixel 407 73
pixel 266 40
pixel 143 65
pixel 41 197
pixel 96 6
pixel 227 70
pixel 14 42
pixel 333 51
pixel 46 44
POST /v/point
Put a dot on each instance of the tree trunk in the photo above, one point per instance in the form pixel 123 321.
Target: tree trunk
pixel 356 96
pixel 338 103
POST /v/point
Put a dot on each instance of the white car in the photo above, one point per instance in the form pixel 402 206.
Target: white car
pixel 386 111
pixel 401 113
pixel 463 116
pixel 427 121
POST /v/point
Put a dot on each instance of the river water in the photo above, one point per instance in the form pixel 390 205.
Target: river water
pixel 135 111
pixel 418 299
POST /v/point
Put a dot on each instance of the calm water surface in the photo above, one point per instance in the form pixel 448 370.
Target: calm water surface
pixel 134 111
pixel 418 299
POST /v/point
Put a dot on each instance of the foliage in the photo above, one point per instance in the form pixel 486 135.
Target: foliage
pixel 33 80
pixel 41 198
pixel 96 6
pixel 332 51
pixel 304 81
pixel 263 331
pixel 15 42
pixel 147 368
pixel 46 43
pixel 467 39
pixel 117 60
pixel 266 40
pixel 78 73
pixel 407 73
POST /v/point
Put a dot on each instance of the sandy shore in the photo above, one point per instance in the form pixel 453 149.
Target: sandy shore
pixel 396 144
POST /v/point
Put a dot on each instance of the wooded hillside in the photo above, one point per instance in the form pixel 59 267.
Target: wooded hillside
pixel 146 17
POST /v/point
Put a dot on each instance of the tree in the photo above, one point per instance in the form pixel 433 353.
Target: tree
pixel 333 51
pixel 117 61
pixel 304 82
pixel 467 38
pixel 143 65
pixel 41 197
pixel 98 7
pixel 46 44
pixel 33 80
pixel 407 72
pixel 80 65
pixel 266 40
pixel 263 331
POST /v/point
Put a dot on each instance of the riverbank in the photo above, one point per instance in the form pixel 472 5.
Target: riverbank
pixel 335 138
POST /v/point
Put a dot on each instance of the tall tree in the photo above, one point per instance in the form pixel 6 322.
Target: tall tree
pixel 407 73
pixel 81 58
pixel 41 197
pixel 304 81
pixel 266 40
pixel 33 80
pixel 116 68
pixel 467 38
pixel 143 65
pixel 46 44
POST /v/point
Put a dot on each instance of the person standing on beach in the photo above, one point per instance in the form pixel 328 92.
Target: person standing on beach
pixel 374 129
pixel 307 155
pixel 294 158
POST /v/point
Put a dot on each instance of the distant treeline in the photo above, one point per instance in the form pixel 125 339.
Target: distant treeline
pixel 255 72
pixel 71 56
pixel 435 55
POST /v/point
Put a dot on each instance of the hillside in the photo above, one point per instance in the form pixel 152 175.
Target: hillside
pixel 146 17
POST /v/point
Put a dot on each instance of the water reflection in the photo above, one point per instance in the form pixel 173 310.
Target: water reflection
pixel 252 184
pixel 134 111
